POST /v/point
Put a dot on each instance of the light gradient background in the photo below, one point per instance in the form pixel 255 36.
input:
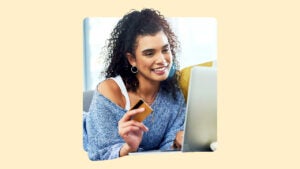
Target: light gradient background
pixel 41 50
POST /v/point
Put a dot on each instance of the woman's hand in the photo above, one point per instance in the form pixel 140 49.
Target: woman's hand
pixel 178 140
pixel 131 131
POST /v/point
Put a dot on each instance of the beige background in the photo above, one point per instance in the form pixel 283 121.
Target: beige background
pixel 41 83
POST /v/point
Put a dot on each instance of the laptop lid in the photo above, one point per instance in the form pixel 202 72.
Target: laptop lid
pixel 201 112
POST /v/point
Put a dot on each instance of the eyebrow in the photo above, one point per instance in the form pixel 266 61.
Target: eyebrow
pixel 152 50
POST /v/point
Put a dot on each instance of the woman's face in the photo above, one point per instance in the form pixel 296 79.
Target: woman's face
pixel 153 57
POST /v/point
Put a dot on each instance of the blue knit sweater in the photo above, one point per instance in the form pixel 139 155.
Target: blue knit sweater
pixel 101 138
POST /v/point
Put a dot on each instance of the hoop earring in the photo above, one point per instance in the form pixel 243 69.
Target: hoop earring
pixel 134 70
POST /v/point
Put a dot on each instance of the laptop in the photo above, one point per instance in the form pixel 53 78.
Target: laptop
pixel 200 130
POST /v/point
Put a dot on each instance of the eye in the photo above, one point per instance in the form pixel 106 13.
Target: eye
pixel 148 53
pixel 165 50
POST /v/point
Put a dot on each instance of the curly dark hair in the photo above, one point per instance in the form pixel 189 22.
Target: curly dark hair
pixel 123 40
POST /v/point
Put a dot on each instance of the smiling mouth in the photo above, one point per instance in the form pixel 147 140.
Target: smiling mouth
pixel 160 70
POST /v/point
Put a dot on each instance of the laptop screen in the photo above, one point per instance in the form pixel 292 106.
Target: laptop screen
pixel 201 116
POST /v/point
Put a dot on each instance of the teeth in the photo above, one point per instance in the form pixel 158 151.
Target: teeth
pixel 160 69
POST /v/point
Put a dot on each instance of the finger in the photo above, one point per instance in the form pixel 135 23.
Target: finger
pixel 127 115
pixel 124 131
pixel 134 123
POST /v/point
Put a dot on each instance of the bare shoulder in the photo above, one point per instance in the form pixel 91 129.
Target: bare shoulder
pixel 110 89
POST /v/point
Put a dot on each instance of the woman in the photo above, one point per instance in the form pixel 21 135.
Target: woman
pixel 141 56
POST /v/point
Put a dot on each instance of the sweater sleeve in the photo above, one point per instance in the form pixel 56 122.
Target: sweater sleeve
pixel 103 139
pixel 176 125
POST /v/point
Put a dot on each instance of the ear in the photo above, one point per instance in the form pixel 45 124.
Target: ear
pixel 131 59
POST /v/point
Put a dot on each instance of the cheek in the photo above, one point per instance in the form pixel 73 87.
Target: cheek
pixel 169 58
pixel 145 63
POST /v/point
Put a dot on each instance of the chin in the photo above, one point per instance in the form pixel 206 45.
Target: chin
pixel 162 77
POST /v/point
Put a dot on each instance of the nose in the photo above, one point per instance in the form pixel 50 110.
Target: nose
pixel 162 59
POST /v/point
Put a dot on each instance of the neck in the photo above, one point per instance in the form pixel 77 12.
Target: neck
pixel 148 90
pixel 147 98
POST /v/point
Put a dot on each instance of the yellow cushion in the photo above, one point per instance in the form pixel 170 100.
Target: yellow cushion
pixel 185 77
